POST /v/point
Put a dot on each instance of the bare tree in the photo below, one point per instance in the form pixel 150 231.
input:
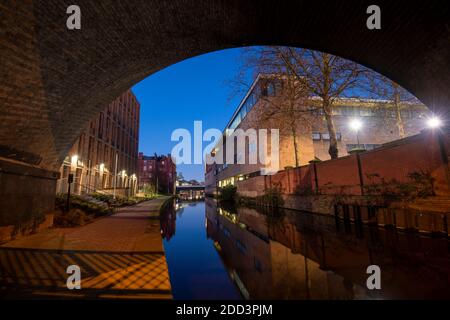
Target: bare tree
pixel 285 109
pixel 318 74
pixel 282 95
pixel 397 98
pixel 327 77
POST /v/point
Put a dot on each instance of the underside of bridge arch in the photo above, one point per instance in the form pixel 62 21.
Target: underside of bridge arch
pixel 54 80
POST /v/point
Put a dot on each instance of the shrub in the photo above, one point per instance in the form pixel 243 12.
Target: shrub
pixel 77 202
pixel 228 193
pixel 73 218
pixel 149 190
pixel 107 198
pixel 271 198
pixel 303 190
pixel 421 185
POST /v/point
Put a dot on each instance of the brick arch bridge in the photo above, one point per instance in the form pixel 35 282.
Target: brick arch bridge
pixel 53 80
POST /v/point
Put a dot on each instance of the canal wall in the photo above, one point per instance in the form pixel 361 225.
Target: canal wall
pixel 27 195
pixel 407 175
pixel 412 160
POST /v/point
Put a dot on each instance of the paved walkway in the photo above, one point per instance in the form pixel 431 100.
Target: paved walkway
pixel 119 256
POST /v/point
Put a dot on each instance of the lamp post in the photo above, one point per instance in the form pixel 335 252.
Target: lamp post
pixel 356 125
pixel 115 178
pixel 89 177
pixel 69 180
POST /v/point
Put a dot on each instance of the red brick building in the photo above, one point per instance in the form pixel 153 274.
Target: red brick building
pixel 109 141
pixel 159 172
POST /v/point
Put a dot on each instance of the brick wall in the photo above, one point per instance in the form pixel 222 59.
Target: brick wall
pixel 393 161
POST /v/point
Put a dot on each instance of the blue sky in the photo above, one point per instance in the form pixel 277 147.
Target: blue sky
pixel 175 97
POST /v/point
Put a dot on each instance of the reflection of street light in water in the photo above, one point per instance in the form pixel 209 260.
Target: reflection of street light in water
pixel 356 125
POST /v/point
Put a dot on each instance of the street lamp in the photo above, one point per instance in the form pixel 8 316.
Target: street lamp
pixel 74 160
pixel 434 122
pixel 356 125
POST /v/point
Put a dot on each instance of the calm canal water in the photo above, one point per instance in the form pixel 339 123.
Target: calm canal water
pixel 218 253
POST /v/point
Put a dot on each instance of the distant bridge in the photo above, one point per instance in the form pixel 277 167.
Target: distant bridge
pixel 190 187
pixel 191 192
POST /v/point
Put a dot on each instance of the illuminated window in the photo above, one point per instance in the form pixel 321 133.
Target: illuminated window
pixel 316 136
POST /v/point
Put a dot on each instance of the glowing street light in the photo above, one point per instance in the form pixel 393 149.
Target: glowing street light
pixel 356 125
pixel 434 122
pixel 74 160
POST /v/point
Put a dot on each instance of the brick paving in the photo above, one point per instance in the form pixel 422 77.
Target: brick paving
pixel 120 255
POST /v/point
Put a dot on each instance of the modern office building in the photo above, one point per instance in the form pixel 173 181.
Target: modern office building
pixel 379 122
pixel 158 172
pixel 104 157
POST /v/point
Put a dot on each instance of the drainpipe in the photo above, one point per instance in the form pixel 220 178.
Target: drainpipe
pixel 115 178
pixel 361 180
pixel 444 156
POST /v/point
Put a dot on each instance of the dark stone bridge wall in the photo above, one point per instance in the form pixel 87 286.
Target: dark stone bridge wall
pixel 52 80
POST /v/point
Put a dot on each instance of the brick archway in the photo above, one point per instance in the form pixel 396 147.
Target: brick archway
pixel 54 80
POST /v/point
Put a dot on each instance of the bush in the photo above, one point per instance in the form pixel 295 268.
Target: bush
pixel 228 193
pixel 271 198
pixel 303 190
pixel 421 186
pixel 120 201
pixel 107 198
pixel 149 190
pixel 77 202
pixel 73 218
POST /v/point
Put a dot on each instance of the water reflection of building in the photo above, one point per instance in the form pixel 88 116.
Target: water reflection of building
pixel 302 256
pixel 168 221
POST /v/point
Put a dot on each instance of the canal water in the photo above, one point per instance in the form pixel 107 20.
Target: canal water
pixel 227 253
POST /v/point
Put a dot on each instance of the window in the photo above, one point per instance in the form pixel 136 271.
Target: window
pixel 243 113
pixel 241 247
pixel 257 264
pixel 366 112
pixel 391 114
pixel 370 146
pixel 405 114
pixel 348 111
pixel 226 232
pixel 338 136
pixel 278 86
pixel 270 89
pixel 318 112
pixel 366 146
pixel 350 147
pixel 337 111
pixel 264 91
pixel 100 126
pixel 316 136
pixel 325 136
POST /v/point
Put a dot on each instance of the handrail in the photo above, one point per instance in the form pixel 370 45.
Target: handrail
pixel 85 187
pixel 113 207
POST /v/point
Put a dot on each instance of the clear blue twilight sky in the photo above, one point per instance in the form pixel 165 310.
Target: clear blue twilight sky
pixel 180 94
